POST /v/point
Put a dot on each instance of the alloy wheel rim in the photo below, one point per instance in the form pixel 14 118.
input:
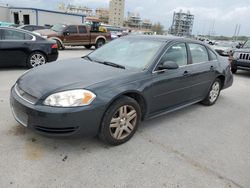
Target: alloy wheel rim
pixel 214 93
pixel 123 122
pixel 37 59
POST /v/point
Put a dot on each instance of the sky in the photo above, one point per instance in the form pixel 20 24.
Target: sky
pixel 222 15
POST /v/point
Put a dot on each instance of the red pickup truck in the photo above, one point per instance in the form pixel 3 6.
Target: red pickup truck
pixel 75 35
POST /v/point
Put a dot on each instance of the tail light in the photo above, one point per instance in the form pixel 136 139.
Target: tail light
pixel 54 46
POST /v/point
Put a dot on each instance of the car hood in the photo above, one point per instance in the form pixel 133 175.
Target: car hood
pixel 71 74
pixel 46 32
pixel 242 50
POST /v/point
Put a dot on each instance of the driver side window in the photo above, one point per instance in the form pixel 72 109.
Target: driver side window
pixel 176 53
pixel 72 29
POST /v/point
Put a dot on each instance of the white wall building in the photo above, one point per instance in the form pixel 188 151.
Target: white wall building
pixel 4 13
pixel 116 12
pixel 33 16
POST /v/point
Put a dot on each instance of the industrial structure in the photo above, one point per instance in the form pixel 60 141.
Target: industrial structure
pixel 116 12
pixel 134 21
pixel 75 9
pixel 182 24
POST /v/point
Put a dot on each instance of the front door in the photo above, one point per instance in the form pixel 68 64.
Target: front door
pixel 71 35
pixel 172 87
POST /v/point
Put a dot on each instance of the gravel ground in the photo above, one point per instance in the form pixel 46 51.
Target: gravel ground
pixel 197 147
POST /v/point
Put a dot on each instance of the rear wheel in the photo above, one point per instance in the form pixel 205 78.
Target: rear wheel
pixel 213 93
pixel 120 122
pixel 36 59
pixel 99 43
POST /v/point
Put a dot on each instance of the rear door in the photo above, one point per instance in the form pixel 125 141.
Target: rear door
pixel 84 37
pixel 71 35
pixel 203 67
pixel 14 47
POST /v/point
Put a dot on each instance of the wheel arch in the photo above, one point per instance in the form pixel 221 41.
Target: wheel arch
pixel 57 39
pixel 100 37
pixel 137 96
pixel 222 79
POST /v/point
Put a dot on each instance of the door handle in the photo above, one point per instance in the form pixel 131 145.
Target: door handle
pixel 186 73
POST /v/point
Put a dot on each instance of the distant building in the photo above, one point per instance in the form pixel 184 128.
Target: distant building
pixel 116 12
pixel 102 14
pixel 34 16
pixel 75 9
pixel 182 24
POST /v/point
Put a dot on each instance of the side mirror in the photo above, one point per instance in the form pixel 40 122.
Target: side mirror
pixel 66 33
pixel 168 65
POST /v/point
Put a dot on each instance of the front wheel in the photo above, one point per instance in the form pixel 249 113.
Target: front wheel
pixel 120 121
pixel 36 59
pixel 213 94
pixel 234 70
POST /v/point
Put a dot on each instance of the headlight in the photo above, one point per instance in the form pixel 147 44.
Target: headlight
pixel 236 55
pixel 71 98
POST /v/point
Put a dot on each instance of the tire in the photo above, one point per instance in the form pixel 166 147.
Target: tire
pixel 36 59
pixel 88 46
pixel 115 129
pixel 99 43
pixel 213 94
pixel 60 45
pixel 234 70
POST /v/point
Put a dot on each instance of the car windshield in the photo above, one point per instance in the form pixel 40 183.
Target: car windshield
pixel 58 27
pixel 128 52
pixel 247 44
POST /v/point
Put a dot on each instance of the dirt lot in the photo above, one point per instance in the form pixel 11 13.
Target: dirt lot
pixel 197 147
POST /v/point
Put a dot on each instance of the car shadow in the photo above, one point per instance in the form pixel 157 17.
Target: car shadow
pixel 242 73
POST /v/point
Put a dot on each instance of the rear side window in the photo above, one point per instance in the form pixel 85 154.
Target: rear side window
pixel 15 35
pixel 176 53
pixel 72 29
pixel 82 29
pixel 213 56
pixel 199 53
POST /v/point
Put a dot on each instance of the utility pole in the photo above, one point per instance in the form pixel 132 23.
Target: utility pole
pixel 238 32
pixel 235 32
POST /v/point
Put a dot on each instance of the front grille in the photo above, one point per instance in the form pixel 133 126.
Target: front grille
pixel 244 56
pixel 25 96
pixel 66 130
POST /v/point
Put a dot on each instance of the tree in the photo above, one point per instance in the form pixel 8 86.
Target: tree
pixel 158 28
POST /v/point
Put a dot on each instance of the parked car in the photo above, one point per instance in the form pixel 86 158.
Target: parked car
pixel 22 48
pixel 110 91
pixel 224 48
pixel 241 58
pixel 32 27
pixel 75 35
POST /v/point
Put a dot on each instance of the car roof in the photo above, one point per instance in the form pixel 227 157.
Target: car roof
pixel 163 38
pixel 21 30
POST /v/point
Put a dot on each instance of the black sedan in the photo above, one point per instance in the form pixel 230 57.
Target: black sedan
pixel 23 48
pixel 110 91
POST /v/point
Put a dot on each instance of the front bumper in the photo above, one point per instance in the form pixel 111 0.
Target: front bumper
pixel 53 121
pixel 245 65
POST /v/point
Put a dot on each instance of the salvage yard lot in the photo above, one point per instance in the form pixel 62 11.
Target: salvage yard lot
pixel 194 147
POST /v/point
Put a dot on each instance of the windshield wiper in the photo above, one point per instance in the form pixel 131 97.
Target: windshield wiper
pixel 87 57
pixel 111 64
